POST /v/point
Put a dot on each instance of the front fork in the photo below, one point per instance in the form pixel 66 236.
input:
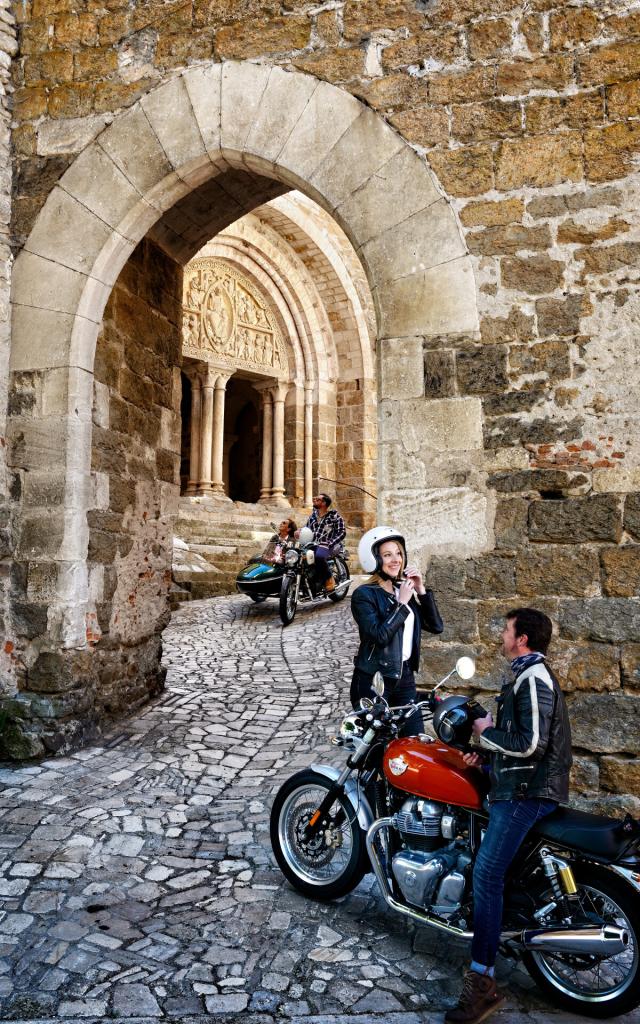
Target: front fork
pixel 320 817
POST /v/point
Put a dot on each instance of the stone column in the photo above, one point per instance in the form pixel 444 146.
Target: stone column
pixel 206 431
pixel 277 491
pixel 308 443
pixel 267 443
pixel 194 454
pixel 217 457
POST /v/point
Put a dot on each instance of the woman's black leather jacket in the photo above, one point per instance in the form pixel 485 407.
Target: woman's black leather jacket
pixel 380 619
pixel 530 744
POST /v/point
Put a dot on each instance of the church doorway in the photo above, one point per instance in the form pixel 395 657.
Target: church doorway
pixel 242 442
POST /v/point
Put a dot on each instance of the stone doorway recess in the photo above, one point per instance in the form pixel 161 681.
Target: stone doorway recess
pixel 178 166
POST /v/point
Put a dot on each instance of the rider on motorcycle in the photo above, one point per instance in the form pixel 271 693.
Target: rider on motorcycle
pixel 329 531
pixel 530 756
pixel 278 544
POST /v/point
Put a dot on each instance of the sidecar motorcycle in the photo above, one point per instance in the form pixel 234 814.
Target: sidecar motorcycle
pixel 292 577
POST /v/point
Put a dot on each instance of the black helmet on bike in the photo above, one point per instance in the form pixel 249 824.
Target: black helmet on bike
pixel 454 718
pixel 369 547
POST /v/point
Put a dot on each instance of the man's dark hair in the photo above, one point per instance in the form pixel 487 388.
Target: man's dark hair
pixel 535 625
pixel 327 500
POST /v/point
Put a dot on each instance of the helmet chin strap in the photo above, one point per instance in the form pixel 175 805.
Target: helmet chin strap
pixel 386 576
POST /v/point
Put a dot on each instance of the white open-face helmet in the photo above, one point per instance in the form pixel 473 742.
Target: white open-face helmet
pixel 306 536
pixel 369 547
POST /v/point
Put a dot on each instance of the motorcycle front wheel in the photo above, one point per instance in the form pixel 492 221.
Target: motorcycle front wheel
pixel 332 861
pixel 288 599
pixel 590 985
pixel 340 575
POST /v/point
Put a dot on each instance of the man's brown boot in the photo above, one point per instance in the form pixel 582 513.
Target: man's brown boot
pixel 330 585
pixel 478 999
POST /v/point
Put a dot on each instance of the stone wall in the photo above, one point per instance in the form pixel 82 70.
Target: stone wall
pixel 135 488
pixel 8 49
pixel 136 448
pixel 512 454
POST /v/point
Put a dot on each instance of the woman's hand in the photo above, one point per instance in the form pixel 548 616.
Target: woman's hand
pixel 406 592
pixel 473 760
pixel 415 576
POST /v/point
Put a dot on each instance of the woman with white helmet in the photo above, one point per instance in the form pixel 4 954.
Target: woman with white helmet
pixel 391 609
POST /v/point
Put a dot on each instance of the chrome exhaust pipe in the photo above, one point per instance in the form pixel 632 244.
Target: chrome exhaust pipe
pixel 605 941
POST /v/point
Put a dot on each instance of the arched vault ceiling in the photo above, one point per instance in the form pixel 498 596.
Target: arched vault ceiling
pixel 321 245
pixel 203 213
pixel 301 259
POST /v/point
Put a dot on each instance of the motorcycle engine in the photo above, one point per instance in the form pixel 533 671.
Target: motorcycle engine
pixel 419 823
pixel 430 872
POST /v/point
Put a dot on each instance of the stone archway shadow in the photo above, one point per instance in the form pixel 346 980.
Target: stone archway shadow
pixel 283 126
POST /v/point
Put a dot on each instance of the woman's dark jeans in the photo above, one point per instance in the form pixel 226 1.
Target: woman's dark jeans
pixel 396 692
pixel 509 822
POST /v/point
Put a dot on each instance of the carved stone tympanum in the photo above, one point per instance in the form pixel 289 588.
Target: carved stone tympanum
pixel 226 320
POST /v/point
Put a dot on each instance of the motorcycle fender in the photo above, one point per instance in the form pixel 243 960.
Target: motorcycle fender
pixel 632 877
pixel 356 797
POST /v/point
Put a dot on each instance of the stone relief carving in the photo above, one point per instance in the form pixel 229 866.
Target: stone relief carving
pixel 226 321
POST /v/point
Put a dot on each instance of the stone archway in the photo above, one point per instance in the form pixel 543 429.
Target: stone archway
pixel 180 165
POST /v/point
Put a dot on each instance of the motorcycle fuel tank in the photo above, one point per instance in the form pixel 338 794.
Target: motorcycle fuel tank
pixel 434 772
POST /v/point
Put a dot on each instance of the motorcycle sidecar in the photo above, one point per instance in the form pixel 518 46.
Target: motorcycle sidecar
pixel 260 580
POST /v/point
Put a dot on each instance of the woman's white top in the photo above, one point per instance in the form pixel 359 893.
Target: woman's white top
pixel 407 635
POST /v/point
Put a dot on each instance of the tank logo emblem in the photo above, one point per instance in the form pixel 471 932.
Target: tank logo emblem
pixel 398 765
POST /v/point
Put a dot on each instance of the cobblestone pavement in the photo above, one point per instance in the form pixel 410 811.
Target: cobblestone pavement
pixel 136 878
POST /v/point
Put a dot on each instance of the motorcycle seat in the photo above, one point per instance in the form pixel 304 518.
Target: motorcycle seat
pixel 601 837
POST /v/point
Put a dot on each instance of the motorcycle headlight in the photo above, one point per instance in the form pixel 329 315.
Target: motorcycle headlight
pixel 291 557
pixel 351 727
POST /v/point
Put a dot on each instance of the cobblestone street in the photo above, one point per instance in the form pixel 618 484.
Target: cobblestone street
pixel 136 877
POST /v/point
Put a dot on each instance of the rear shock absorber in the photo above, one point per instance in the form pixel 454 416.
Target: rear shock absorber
pixel 563 884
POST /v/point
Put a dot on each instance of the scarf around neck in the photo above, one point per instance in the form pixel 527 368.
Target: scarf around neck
pixel 525 660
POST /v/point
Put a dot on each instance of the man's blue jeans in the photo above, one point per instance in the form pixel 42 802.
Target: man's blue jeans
pixel 509 822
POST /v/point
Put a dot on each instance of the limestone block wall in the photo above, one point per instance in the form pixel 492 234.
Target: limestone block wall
pixel 134 484
pixel 136 448
pixel 356 451
pixel 8 49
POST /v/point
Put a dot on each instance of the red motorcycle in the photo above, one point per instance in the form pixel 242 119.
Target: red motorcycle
pixel 412 812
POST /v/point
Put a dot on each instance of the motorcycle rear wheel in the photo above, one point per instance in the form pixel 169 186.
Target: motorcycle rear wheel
pixel 333 862
pixel 604 989
pixel 288 599
pixel 341 575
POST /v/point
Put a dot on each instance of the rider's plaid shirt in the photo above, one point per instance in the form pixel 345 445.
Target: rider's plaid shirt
pixel 328 529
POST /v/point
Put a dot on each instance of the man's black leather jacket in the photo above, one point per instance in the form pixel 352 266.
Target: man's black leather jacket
pixel 380 619
pixel 530 744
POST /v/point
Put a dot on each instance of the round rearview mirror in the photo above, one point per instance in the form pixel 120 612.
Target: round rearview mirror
pixel 378 684
pixel 365 703
pixel 466 668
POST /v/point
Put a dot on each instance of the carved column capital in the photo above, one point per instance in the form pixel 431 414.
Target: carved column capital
pixel 280 390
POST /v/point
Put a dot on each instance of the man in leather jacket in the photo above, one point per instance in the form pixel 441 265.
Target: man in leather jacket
pixel 529 749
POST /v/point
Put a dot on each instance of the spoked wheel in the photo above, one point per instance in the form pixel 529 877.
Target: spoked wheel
pixel 592 985
pixel 331 861
pixel 257 598
pixel 288 599
pixel 342 576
